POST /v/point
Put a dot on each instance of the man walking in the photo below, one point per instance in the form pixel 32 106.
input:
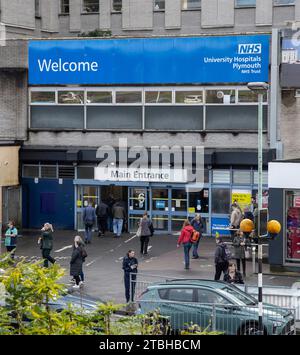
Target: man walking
pixel 221 258
pixel 119 215
pixel 89 219
pixel 102 214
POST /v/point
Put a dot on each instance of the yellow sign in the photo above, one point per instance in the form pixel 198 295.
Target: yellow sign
pixel 79 203
pixel 192 210
pixel 242 197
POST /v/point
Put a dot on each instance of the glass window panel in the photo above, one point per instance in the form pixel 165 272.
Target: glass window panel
pixel 160 222
pixel 179 200
pixel 65 6
pixel 264 177
pixel 70 97
pixel 30 171
pixel 128 97
pixel 292 226
pixel 199 201
pixel 174 118
pixel 190 4
pixel 158 97
pixel 117 5
pixel 133 222
pixel 284 2
pixel 99 97
pixel 159 4
pixel 210 297
pixel 220 96
pixel 250 96
pixel 241 177
pixel 160 200
pixel 90 6
pixel 189 97
pixel 177 223
pixel 57 117
pixel 114 117
pixel 221 177
pixel 42 97
pixel 66 172
pixel 138 199
pixel 234 117
pixel 265 197
pixel 49 172
pixel 220 201
pixel 85 172
pixel 241 3
pixel 181 295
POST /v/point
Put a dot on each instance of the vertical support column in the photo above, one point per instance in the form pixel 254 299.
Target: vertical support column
pixel 1 221
pixel 104 16
pixel 75 19
pixel 173 14
pixel 260 284
pixel 264 12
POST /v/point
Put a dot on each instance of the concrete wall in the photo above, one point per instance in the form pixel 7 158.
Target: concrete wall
pixel 138 18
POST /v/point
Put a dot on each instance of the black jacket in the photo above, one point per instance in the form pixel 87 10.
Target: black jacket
pixel 102 210
pixel 47 240
pixel 236 280
pixel 76 261
pixel 220 253
pixel 127 263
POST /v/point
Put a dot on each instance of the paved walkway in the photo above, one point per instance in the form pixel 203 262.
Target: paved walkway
pixel 103 267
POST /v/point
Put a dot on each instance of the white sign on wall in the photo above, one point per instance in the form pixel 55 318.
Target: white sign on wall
pixel 139 174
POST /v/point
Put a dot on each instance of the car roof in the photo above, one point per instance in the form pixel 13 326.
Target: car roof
pixel 190 282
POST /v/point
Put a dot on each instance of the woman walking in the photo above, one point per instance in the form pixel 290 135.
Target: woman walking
pixel 233 276
pixel 130 267
pixel 11 236
pixel 77 259
pixel 198 226
pixel 145 233
pixel 185 240
pixel 241 243
pixel 46 243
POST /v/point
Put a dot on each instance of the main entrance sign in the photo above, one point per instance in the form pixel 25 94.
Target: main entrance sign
pixel 178 60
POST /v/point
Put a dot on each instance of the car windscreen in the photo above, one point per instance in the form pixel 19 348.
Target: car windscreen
pixel 240 295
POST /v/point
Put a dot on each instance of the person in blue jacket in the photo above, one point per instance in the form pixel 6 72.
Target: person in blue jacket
pixel 11 236
pixel 130 266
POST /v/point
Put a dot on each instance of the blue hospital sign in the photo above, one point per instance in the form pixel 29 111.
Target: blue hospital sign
pixel 192 60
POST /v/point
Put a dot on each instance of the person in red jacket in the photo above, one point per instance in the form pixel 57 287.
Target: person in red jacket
pixel 185 240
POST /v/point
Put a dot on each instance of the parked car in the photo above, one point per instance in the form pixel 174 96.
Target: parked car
pixel 213 305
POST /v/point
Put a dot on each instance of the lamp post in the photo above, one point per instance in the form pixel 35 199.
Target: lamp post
pixel 260 88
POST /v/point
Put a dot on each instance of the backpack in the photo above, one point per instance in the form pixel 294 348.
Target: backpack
pixel 226 253
pixel 195 236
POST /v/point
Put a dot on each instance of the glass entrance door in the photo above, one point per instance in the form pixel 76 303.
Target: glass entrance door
pixel 85 194
pixel 137 204
pixel 160 204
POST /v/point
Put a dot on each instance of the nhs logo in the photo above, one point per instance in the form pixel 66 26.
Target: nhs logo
pixel 249 48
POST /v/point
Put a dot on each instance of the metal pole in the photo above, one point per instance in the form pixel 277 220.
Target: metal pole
pixel 260 165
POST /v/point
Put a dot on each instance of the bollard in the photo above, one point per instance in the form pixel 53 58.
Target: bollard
pixel 253 260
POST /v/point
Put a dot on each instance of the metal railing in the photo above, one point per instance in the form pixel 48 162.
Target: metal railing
pixel 224 319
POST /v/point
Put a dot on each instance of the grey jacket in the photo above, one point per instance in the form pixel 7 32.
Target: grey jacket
pixel 118 212
pixel 239 250
pixel 145 227
pixel 89 215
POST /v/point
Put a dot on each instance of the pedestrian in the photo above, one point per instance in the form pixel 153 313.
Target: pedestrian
pixel 130 267
pixel 11 236
pixel 119 216
pixel 46 243
pixel 78 256
pixel 233 276
pixel 102 215
pixel 197 224
pixel 89 219
pixel 241 245
pixel 145 233
pixel 110 202
pixel 248 214
pixel 222 256
pixel 235 219
pixel 185 240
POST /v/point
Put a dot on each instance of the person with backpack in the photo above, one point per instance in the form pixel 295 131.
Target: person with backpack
pixel 222 257
pixel 185 240
pixel 78 256
pixel 11 236
pixel 130 267
pixel 241 245
pixel 145 226
pixel 89 219
pixel 102 215
pixel 198 226
pixel 46 243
